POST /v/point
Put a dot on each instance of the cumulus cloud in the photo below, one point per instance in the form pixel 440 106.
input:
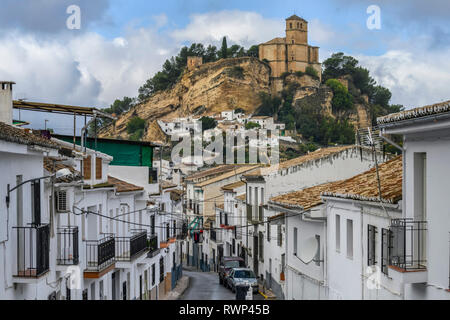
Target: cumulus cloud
pixel 415 77
pixel 240 27
pixel 91 70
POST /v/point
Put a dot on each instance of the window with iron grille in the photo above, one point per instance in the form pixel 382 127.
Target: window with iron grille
pixel 152 224
pixel 385 236
pixel 36 201
pixel 279 236
pixel 161 270
pixel 261 246
pixel 153 274
pixel 61 201
pixel 371 242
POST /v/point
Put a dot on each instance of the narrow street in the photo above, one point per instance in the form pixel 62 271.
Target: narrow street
pixel 205 286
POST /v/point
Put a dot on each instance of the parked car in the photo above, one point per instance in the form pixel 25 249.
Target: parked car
pixel 242 276
pixel 225 266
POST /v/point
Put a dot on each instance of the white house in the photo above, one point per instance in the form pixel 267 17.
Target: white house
pixel 322 166
pixel 422 264
pixel 358 235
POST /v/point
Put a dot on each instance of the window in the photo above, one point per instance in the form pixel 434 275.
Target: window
pixel 262 195
pixel 98 168
pixel 279 235
pixel 371 237
pixel 226 218
pixel 261 246
pixel 161 270
pixel 338 233
pixel 101 291
pixel 349 239
pixel 385 235
pixel 250 195
pixel 152 224
pixel 290 25
pixel 234 246
pixel 153 274
pixel 87 168
pixel 317 256
pixel 295 242
pixel 36 201
pixel 61 201
pixel 268 231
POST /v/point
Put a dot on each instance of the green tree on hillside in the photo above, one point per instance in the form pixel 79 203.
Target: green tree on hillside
pixel 342 99
pixel 224 49
pixel 208 123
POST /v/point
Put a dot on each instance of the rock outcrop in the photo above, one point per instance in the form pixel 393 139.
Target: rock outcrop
pixel 208 89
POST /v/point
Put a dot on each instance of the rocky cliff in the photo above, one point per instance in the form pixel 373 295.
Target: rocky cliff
pixel 208 89
pixel 226 85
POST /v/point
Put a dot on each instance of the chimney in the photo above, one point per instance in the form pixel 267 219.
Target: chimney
pixel 6 104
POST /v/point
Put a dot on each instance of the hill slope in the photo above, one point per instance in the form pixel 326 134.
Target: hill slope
pixel 208 89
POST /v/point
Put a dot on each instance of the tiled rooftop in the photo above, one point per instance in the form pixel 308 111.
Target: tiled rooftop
pixel 12 134
pixel 52 165
pixel 237 170
pixel 241 197
pixel 210 172
pixel 234 185
pixel 361 187
pixel 122 186
pixel 318 154
pixel 434 109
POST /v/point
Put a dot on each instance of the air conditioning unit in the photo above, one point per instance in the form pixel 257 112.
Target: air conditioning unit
pixel 62 201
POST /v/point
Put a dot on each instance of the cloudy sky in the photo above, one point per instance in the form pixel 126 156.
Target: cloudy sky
pixel 122 43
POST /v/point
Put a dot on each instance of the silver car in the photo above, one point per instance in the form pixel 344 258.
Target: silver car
pixel 242 276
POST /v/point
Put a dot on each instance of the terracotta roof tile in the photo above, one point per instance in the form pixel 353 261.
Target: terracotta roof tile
pixel 210 172
pixel 437 108
pixel 241 197
pixel 361 187
pixel 316 155
pixel 52 165
pixel 234 185
pixel 123 186
pixel 238 170
pixel 13 134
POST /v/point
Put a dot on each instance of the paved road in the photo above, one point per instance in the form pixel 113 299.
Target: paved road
pixel 205 286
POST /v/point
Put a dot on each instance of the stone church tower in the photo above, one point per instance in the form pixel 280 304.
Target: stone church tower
pixel 291 53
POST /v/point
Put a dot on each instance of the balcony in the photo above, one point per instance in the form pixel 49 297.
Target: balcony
pixel 407 250
pixel 152 246
pixel 33 248
pixel 100 255
pixel 129 248
pixel 67 239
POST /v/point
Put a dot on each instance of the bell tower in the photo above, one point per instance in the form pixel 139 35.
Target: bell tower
pixel 296 30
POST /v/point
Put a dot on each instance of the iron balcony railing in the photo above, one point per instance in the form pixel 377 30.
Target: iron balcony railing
pixel 100 253
pixel 33 248
pixel 128 248
pixel 67 241
pixel 152 243
pixel 407 248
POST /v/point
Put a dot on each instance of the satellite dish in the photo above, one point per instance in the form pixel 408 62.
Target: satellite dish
pixel 308 249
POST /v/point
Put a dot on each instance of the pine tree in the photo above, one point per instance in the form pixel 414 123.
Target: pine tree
pixel 224 49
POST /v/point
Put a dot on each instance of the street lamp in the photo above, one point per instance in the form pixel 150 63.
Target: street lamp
pixel 58 174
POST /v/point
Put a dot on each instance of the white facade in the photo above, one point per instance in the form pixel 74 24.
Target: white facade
pixel 340 165
pixel 426 181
